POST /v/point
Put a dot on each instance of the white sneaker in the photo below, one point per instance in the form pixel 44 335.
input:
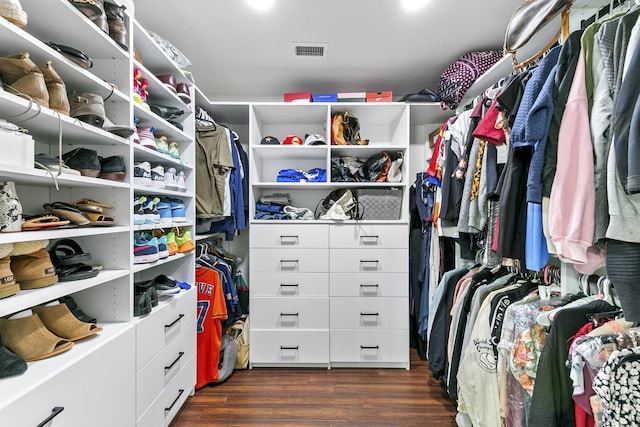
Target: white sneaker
pixel 182 182
pixel 170 179
pixel 157 176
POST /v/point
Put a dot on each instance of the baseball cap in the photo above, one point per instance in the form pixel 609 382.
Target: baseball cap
pixel 314 139
pixel 270 140
pixel 292 140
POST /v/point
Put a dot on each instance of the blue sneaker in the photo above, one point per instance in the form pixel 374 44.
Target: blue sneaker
pixel 144 249
pixel 164 210
pixel 163 247
pixel 178 212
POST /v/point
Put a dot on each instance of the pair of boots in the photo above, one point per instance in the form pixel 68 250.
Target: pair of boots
pixel 25 265
pixel 43 85
pixel 107 16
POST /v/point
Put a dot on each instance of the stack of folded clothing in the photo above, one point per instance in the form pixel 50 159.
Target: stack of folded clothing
pixel 297 175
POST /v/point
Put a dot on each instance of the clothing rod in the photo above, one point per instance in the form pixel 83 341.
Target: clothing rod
pixel 603 11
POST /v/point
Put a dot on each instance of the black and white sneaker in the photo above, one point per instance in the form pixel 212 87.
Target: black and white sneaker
pixel 142 174
pixel 157 176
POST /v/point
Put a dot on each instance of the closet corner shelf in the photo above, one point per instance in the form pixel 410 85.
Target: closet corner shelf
pixel 163 127
pixel 152 55
pixel 25 299
pixel 137 268
pixel 143 153
pixel 159 91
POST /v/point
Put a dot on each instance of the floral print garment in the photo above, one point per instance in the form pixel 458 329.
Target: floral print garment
pixel 530 339
pixel 618 387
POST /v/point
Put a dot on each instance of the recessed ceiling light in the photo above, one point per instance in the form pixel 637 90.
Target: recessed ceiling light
pixel 262 4
pixel 412 5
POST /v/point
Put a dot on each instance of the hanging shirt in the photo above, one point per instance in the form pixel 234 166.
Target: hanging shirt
pixel 211 312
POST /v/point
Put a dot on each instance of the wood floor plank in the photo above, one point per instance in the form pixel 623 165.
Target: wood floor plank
pixel 317 397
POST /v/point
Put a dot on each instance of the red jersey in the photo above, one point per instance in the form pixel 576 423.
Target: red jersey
pixel 212 310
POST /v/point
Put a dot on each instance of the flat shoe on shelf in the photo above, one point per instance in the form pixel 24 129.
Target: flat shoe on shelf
pixel 37 222
pixel 68 273
pixel 61 321
pixel 67 211
pixel 100 219
pixel 30 339
pixel 89 205
pixel 67 252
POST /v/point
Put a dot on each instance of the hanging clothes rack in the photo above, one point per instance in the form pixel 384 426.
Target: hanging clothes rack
pixel 602 12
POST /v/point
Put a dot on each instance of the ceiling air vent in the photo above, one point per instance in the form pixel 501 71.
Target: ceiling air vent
pixel 310 50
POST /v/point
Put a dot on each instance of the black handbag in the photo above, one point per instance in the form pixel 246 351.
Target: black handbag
pixel 75 55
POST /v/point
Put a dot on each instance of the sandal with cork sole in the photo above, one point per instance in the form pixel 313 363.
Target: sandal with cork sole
pixel 61 321
pixel 30 339
pixel 89 205
pixel 99 219
pixel 38 222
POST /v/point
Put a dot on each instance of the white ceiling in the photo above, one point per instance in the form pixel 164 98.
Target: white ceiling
pixel 239 53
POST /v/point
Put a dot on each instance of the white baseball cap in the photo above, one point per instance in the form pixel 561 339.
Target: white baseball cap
pixel 314 139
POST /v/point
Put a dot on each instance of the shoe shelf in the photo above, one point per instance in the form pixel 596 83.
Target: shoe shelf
pixel 43 123
pixel 16 40
pixel 163 127
pixel 15 388
pixel 42 177
pixel 159 93
pixel 137 268
pixel 60 233
pixel 152 56
pixel 141 189
pixel 145 227
pixel 84 34
pixel 25 299
pixel 142 154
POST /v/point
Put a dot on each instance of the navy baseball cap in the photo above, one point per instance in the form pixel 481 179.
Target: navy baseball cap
pixel 270 140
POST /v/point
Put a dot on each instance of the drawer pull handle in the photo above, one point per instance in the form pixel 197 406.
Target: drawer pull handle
pixel 369 263
pixel 174 322
pixel 362 285
pixel 282 347
pixel 369 314
pixel 369 239
pixel 289 240
pixel 367 347
pixel 289 314
pixel 289 285
pixel 166 368
pixel 54 413
pixel 288 261
pixel 174 402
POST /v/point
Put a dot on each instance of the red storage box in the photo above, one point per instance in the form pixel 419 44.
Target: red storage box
pixel 380 96
pixel 297 97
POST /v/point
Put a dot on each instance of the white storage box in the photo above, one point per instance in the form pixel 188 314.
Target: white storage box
pixel 18 146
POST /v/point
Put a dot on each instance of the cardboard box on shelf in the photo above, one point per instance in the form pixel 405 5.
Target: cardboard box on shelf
pixel 297 97
pixel 386 96
pixel 352 96
pixel 325 97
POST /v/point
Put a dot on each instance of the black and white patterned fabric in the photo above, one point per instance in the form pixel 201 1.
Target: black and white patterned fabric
pixel 617 385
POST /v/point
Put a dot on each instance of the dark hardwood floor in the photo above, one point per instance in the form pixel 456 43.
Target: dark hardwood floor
pixel 319 397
